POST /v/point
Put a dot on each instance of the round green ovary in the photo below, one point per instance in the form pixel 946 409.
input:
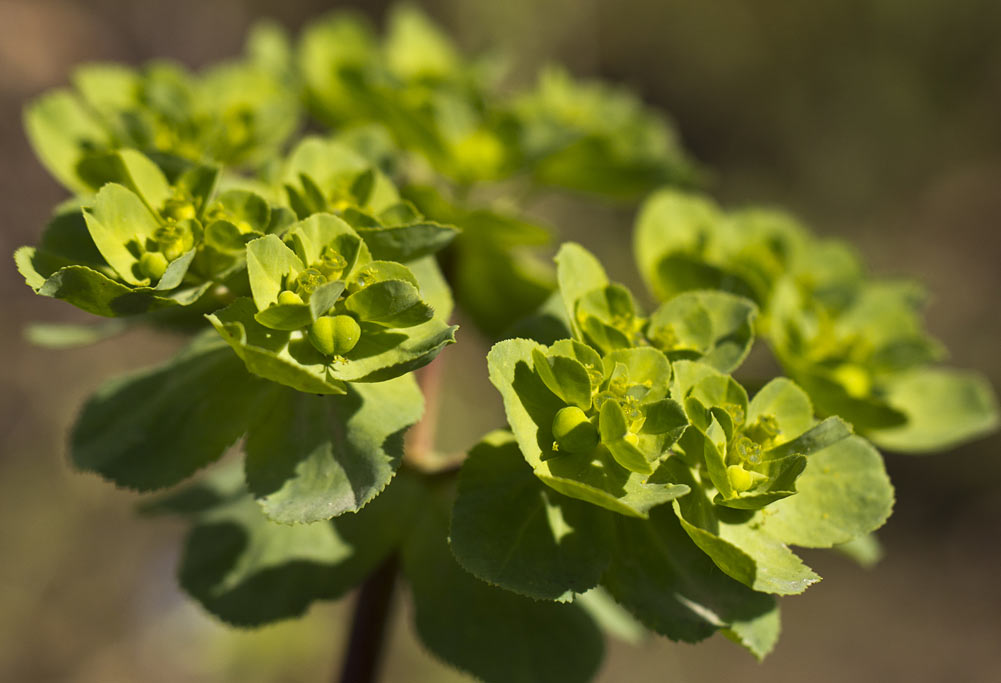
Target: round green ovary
pixel 153 264
pixel 573 432
pixel 334 335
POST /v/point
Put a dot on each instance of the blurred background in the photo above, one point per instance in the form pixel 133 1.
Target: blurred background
pixel 877 121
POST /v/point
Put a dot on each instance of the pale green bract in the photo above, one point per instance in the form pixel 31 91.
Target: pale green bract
pixel 640 486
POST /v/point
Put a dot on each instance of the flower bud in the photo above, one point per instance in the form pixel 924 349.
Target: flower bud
pixel 334 335
pixel 573 432
pixel 153 264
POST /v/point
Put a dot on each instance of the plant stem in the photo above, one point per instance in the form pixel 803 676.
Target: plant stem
pixel 368 625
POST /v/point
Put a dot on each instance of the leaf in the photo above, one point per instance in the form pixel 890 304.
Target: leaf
pixel 594 477
pixel 751 556
pixel 248 570
pixel 393 303
pixel 944 408
pixel 670 222
pixel 566 377
pixel 118 217
pixel 613 619
pixel 578 272
pixel 673 588
pixel 433 286
pixel 94 292
pixel 131 169
pixel 828 432
pixel 289 359
pixel 491 633
pixel 408 241
pixel 154 428
pixel 70 336
pixel 269 264
pixel 613 429
pixel 714 327
pixel 62 131
pixel 844 493
pixel 784 401
pixel 312 458
pixel 510 530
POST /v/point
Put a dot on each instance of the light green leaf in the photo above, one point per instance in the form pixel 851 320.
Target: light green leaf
pixel 91 290
pixel 578 272
pixel 510 530
pixel 408 241
pixel 844 493
pixel 312 458
pixel 670 222
pixel 714 327
pixel 670 585
pixel 434 288
pixel 131 169
pixel 286 317
pixel 784 401
pixel 393 303
pixel 154 428
pixel 118 217
pixel 62 131
pixel 491 633
pixel 288 358
pixel 944 408
pixel 269 264
pixel 828 432
pixel 595 477
pixel 750 555
pixel 70 336
pixel 613 429
pixel 564 376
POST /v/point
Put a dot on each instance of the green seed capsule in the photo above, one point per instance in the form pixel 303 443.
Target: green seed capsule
pixel 289 297
pixel 153 264
pixel 573 432
pixel 334 335
pixel 740 479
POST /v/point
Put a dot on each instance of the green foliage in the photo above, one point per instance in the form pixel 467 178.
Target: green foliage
pixel 857 345
pixel 640 485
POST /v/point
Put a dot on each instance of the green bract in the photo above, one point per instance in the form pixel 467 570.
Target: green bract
pixel 853 343
pixel 235 113
pixel 640 487
pixel 143 243
pixel 324 313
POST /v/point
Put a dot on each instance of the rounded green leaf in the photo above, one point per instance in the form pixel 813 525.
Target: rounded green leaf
pixel 510 530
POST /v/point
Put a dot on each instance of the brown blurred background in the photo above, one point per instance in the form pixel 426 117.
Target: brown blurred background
pixel 878 121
